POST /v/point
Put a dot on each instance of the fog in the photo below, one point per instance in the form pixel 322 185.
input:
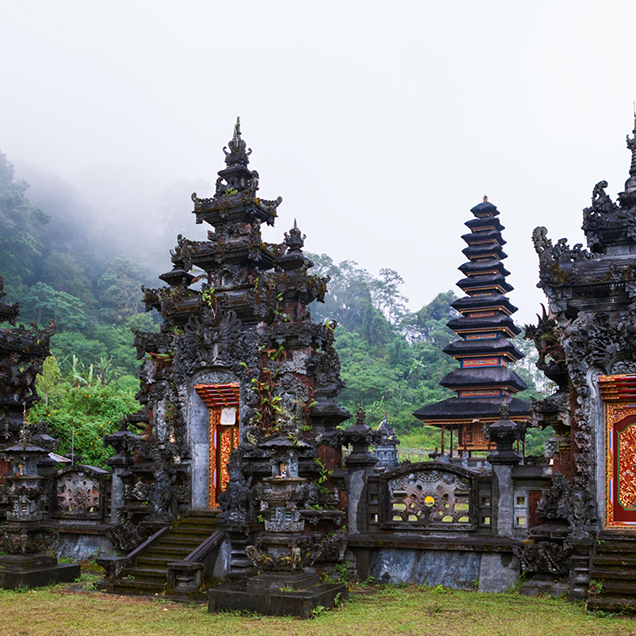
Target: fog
pixel 380 124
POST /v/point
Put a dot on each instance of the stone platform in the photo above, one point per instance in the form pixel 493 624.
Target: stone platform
pixel 297 595
pixel 35 570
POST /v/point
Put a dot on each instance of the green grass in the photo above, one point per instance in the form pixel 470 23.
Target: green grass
pixel 390 611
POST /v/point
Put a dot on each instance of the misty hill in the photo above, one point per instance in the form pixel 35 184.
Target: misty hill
pixel 80 254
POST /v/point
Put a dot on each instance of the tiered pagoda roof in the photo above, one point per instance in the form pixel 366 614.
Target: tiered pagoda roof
pixel 483 381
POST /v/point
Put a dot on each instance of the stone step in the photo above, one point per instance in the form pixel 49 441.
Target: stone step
pixel 147 573
pixel 211 512
pixel 610 604
pixel 619 546
pixel 606 573
pixel 195 531
pixel 148 576
pixel 616 588
pixel 179 542
pixel 132 586
pixel 199 519
pixel 241 563
pixel 173 552
pixel 154 562
pixel 616 560
pixel 195 525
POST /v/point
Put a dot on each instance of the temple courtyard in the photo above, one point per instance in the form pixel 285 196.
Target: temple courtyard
pixel 65 610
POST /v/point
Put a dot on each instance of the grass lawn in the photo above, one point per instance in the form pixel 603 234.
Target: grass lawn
pixel 383 611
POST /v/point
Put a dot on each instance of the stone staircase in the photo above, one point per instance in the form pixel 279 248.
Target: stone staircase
pixel 147 574
pixel 613 574
pixel 241 567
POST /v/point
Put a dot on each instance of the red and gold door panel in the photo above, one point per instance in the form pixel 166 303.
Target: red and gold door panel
pixel 222 401
pixel 619 397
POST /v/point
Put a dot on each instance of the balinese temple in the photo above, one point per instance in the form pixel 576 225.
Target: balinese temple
pixel 483 381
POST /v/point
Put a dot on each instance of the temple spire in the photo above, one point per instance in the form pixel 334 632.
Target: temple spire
pixel 238 152
pixel 630 184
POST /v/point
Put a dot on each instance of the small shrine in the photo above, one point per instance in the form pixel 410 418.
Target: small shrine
pixel 483 381
pixel 26 536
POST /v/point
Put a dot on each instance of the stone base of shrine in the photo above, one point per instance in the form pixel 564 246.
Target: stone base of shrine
pixel 34 570
pixel 277 595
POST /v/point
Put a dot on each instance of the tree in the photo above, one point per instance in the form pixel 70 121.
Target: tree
pixel 62 272
pixel 43 303
pixel 20 229
pixel 429 323
pixel 120 288
pixel 387 296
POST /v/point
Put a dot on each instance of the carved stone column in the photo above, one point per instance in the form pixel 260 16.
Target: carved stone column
pixel 123 441
pixel 360 464
pixel 504 433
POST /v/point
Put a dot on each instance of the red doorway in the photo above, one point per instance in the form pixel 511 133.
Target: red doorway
pixel 222 401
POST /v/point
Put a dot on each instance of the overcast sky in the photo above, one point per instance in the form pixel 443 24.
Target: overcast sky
pixel 379 123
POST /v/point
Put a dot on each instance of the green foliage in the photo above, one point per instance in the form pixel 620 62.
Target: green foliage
pixel 43 303
pixel 91 408
pixel 120 289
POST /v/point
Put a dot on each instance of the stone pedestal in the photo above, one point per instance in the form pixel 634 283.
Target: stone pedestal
pixel 282 551
pixel 34 570
pixel 184 578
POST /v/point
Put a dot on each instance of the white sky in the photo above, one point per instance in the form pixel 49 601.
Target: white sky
pixel 380 123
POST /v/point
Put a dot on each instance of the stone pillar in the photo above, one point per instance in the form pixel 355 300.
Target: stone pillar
pixel 504 433
pixel 360 463
pixel 123 441
pixel 500 571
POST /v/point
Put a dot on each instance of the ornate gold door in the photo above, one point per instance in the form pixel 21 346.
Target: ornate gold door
pixel 222 401
pixel 618 393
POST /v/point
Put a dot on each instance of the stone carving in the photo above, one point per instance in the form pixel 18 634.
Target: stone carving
pixel 249 320
pixel 386 445
pixel 209 335
pixel 237 501
pixel 303 552
pixel 551 353
pixel 544 557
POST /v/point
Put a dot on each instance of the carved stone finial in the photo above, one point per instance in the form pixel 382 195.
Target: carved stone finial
pixel 238 152
pixel 361 417
pixel 295 239
pixel 630 184
pixel 485 199
pixel 504 412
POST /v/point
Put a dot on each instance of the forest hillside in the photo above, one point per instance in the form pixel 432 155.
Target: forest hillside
pixel 61 261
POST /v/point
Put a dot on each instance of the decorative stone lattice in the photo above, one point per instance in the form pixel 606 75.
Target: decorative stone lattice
pixel 78 493
pixel 430 498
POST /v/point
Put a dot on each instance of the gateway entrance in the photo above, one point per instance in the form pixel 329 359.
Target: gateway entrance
pixel 222 401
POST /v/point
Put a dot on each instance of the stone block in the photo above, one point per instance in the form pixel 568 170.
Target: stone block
pixel 273 582
pixel 561 588
pixel 301 603
pixel 450 568
pixel 498 571
pixel 36 570
pixel 537 585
